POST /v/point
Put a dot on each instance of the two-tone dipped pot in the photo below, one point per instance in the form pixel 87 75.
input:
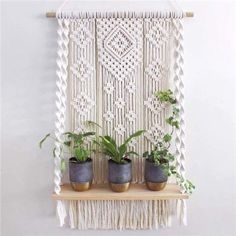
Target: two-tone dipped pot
pixel 119 175
pixel 81 174
pixel 155 177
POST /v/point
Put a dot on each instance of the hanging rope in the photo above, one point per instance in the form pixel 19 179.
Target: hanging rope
pixel 62 64
pixel 179 87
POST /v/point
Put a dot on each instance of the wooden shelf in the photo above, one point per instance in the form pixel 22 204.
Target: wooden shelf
pixel 136 192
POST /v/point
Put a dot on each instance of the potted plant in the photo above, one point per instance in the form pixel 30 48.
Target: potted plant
pixel 160 162
pixel 119 164
pixel 80 162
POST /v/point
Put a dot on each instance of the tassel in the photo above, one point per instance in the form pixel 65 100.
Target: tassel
pixel 61 212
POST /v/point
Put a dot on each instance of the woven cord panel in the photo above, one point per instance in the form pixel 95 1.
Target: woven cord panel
pixel 109 67
pixel 115 67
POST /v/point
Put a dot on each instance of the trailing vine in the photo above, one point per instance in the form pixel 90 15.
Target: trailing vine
pixel 161 155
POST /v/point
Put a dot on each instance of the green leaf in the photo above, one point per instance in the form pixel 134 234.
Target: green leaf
pixel 111 140
pixel 88 134
pixel 167 138
pixel 72 135
pixel 166 96
pixel 161 153
pixel 96 142
pixel 63 165
pixel 122 150
pixel 175 124
pixel 77 138
pixel 42 141
pixel 69 134
pixel 78 153
pixel 134 135
pixel 156 161
pixel 132 153
pixel 92 124
pixel 172 169
pixel 81 154
pixel 67 143
pixel 109 147
pixel 170 157
pixel 107 152
pixel 175 110
pixel 169 120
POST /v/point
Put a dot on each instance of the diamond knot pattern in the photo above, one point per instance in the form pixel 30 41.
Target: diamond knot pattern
pixel 153 133
pixel 120 103
pixel 155 70
pixel 108 116
pixel 120 129
pixel 109 88
pixel 153 104
pixel 81 35
pixel 119 42
pixel 131 87
pixel 82 69
pixel 82 103
pixel 131 116
pixel 157 35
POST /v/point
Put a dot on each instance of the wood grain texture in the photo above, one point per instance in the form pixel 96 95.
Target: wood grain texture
pixel 136 192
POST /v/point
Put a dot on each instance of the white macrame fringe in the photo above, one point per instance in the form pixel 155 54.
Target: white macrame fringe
pixel 182 211
pixel 121 215
pixel 126 14
pixel 117 215
pixel 61 212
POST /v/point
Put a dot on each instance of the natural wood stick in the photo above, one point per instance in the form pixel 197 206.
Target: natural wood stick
pixel 51 14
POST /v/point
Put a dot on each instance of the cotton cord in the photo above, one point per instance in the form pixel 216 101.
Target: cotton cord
pixel 125 14
pixel 61 212
pixel 179 94
pixel 120 215
pixel 62 64
pixel 108 84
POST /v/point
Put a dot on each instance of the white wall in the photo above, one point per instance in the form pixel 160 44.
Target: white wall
pixel 28 87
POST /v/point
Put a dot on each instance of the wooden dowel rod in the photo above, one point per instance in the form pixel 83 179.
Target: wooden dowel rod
pixel 53 14
pixel 189 14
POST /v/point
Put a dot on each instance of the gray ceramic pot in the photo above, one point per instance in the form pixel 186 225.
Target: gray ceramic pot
pixel 81 174
pixel 119 175
pixel 154 176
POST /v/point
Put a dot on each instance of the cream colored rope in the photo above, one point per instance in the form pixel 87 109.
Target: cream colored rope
pixel 62 64
pixel 179 93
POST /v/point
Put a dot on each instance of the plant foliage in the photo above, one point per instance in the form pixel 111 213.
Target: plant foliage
pixel 74 144
pixel 117 153
pixel 161 154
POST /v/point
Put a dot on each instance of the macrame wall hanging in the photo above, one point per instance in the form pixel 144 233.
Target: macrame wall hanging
pixel 109 67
